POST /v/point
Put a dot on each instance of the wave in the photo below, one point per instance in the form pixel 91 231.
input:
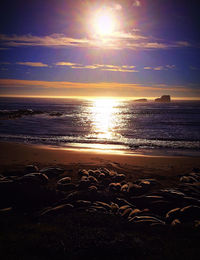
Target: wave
pixel 130 144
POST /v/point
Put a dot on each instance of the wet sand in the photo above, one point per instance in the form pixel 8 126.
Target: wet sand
pixel 16 154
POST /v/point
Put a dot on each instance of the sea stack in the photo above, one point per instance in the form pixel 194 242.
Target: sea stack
pixel 164 98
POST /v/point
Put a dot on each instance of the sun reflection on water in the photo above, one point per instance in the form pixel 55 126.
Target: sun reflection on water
pixel 104 118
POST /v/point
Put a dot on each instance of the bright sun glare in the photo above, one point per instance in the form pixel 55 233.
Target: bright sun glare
pixel 104 23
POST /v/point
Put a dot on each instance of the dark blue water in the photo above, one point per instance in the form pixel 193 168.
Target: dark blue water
pixel 103 124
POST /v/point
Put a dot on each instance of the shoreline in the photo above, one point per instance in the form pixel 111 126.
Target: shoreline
pixel 112 149
pixel 17 154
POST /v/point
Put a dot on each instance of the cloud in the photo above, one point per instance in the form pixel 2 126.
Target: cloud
pixel 82 85
pixel 158 68
pixel 32 64
pixel 104 67
pixel 184 43
pixel 170 66
pixel 69 64
pixel 117 40
pixel 14 87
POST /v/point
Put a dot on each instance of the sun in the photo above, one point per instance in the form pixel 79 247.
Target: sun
pixel 104 23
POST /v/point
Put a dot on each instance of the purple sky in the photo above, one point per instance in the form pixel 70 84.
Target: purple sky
pixel 51 48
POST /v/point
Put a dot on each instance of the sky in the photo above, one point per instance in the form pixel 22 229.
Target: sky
pixel 89 48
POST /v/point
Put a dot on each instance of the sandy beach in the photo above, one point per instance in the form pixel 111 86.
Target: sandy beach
pixel 57 203
pixel 18 154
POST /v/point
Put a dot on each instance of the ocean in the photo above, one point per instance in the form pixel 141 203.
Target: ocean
pixel 103 124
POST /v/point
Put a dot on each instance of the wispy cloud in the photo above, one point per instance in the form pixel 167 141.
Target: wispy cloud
pixel 14 87
pixel 118 40
pixel 99 85
pixel 104 67
pixel 158 68
pixel 32 64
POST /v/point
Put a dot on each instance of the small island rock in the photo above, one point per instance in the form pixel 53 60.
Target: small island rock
pixel 164 98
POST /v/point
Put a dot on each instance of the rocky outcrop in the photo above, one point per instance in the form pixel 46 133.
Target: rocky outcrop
pixel 141 100
pixel 164 98
pixel 50 192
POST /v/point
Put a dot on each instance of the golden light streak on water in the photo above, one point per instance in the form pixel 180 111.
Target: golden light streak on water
pixel 104 118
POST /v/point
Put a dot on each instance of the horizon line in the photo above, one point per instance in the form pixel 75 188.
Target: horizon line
pixel 98 97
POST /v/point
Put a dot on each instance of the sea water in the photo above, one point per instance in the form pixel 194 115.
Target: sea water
pixel 103 124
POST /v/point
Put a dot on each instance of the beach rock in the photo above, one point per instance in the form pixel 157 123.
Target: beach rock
pixel 191 200
pixel 101 177
pixel 134 189
pixel 103 204
pixel 92 180
pixel 172 194
pixel 147 220
pixel 61 209
pixel 119 177
pixel 83 172
pixel 190 189
pixel 147 182
pixel 52 171
pixel 190 213
pixel 188 179
pixel 66 187
pixel 65 184
pixel 91 195
pixel 125 188
pixel 36 177
pixel 105 171
pixel 93 173
pixel 196 175
pixel 134 213
pixel 114 208
pixel 82 203
pixel 175 222
pixel 84 183
pixel 123 208
pixel 92 189
pixel 115 187
pixel 126 212
pixel 64 180
pixel 96 208
pixel 31 169
pixel 112 174
pixel 121 202
pixel 172 214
